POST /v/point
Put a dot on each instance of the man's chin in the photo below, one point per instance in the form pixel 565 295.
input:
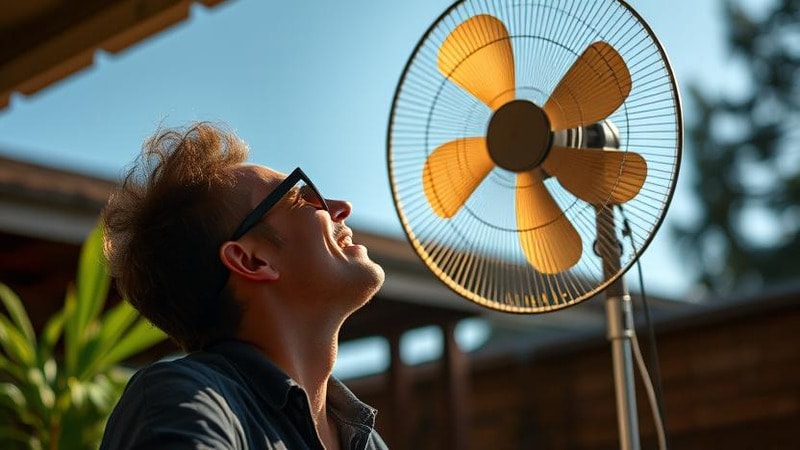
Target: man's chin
pixel 373 280
pixel 379 276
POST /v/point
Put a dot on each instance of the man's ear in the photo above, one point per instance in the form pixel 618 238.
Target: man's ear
pixel 247 262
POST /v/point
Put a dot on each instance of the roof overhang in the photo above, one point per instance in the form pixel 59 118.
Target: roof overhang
pixel 47 40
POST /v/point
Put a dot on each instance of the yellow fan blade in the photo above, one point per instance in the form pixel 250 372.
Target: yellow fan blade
pixel 549 241
pixel 597 176
pixel 593 88
pixel 477 56
pixel 453 171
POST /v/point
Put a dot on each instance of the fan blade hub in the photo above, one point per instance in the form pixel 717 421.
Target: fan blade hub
pixel 519 136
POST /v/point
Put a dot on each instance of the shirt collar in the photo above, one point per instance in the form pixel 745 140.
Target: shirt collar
pixel 346 406
pixel 263 377
pixel 273 385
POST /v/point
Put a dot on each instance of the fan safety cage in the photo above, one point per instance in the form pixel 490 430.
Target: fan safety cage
pixel 520 132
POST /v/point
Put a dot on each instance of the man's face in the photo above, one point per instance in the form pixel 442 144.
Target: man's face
pixel 316 257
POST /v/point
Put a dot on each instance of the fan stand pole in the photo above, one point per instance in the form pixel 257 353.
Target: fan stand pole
pixel 619 319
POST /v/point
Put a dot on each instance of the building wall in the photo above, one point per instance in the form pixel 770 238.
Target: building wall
pixel 731 380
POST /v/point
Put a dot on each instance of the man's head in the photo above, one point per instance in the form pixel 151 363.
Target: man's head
pixel 171 246
pixel 299 249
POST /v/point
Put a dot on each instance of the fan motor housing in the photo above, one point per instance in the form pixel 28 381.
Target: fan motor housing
pixel 519 136
pixel 602 134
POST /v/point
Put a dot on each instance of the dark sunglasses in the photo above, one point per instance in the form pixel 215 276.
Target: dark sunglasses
pixel 309 193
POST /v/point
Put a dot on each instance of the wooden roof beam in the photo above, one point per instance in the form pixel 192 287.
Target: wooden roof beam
pixel 112 28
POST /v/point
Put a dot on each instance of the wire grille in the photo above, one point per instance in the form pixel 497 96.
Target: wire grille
pixel 477 251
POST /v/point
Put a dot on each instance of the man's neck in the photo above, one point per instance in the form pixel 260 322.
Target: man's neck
pixel 309 362
pixel 306 351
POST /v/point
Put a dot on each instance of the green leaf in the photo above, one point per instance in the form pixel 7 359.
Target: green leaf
pixel 47 396
pixel 12 398
pixel 50 334
pixel 16 346
pixel 143 335
pixel 100 396
pixel 17 312
pixel 40 395
pixel 87 356
pixel 50 371
pixel 11 368
pixel 77 392
pixel 118 376
pixel 93 280
pixel 116 322
pixel 63 400
pixel 113 326
pixel 71 342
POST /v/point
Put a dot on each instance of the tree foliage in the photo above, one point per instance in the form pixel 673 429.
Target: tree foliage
pixel 744 146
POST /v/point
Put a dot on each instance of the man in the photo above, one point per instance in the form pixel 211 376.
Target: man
pixel 252 272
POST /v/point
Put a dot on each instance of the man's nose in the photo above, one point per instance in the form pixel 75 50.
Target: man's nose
pixel 339 209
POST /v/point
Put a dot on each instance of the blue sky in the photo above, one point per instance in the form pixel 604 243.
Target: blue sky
pixel 308 84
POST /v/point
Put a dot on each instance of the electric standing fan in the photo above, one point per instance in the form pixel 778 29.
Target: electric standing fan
pixel 520 133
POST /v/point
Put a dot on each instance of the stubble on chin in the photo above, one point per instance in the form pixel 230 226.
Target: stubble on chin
pixel 371 284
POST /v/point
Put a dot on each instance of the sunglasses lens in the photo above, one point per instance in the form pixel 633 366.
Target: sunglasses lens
pixel 311 196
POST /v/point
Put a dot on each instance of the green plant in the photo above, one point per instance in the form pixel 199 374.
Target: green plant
pixel 60 397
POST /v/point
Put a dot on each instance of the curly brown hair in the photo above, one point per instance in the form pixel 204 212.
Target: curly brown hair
pixel 164 226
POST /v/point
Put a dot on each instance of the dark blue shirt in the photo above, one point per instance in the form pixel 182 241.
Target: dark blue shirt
pixel 229 396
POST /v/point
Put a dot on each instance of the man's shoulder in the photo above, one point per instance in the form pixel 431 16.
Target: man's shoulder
pixel 181 399
pixel 199 365
pixel 183 376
